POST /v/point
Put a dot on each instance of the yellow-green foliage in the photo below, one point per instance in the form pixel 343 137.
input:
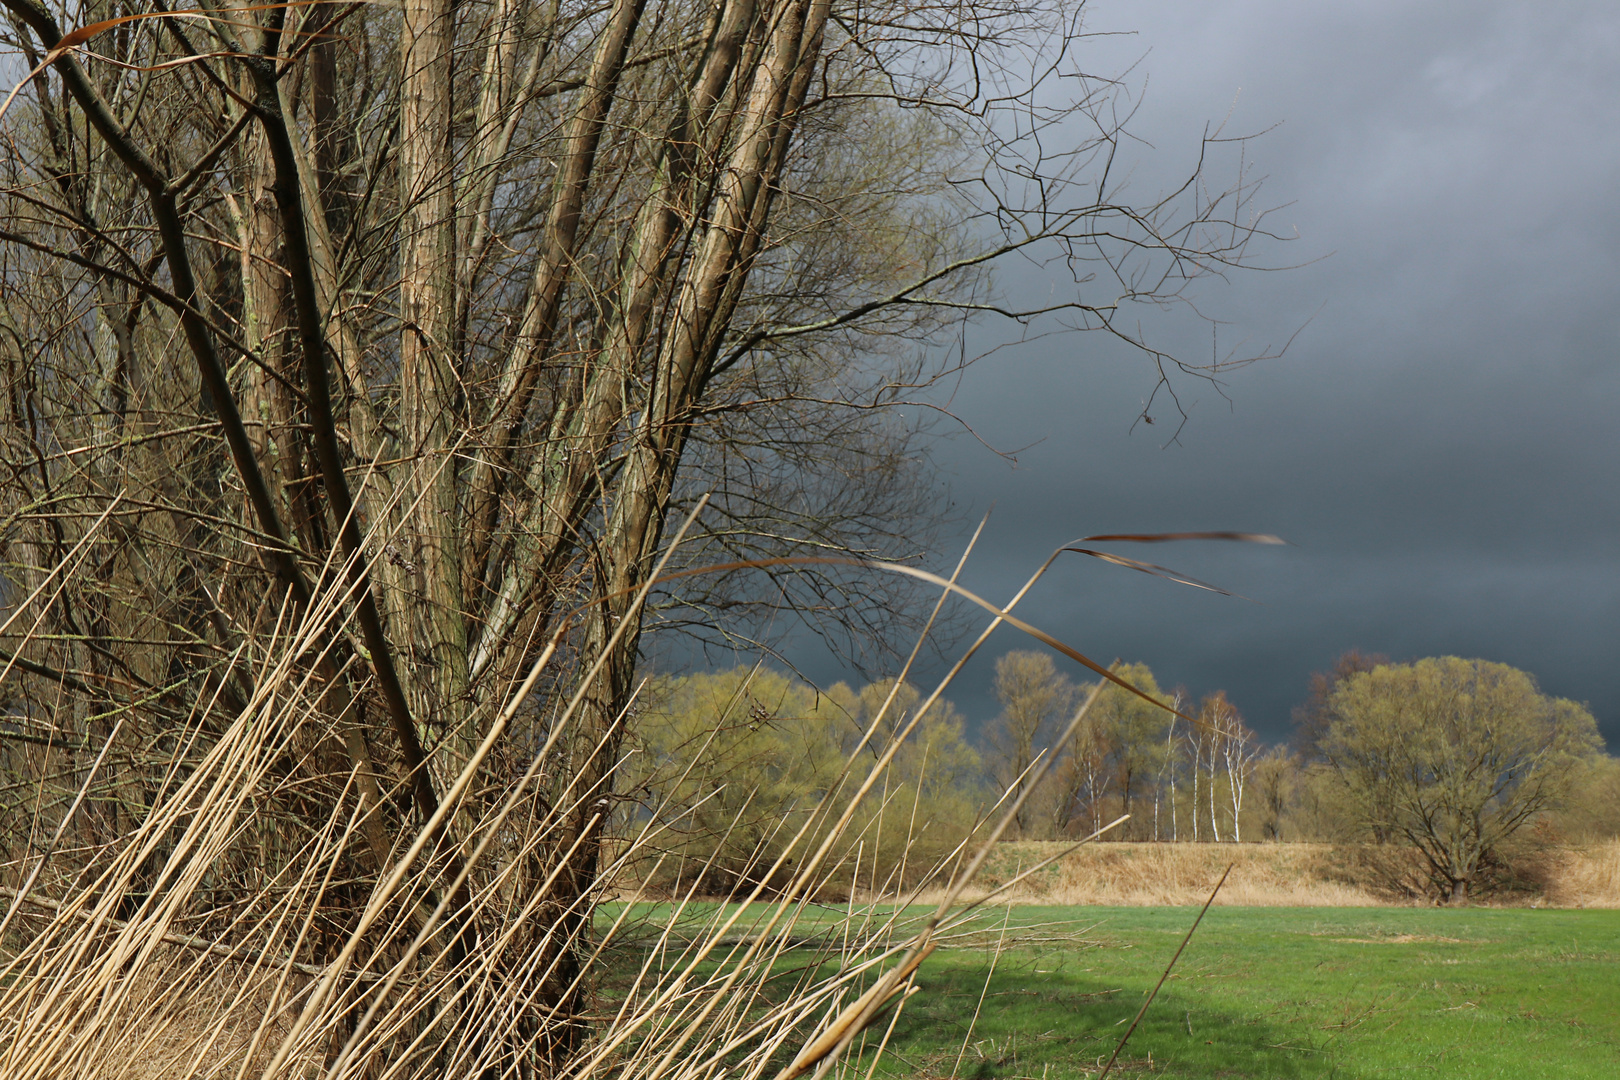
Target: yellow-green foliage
pixel 734 764
pixel 1592 811
pixel 1454 756
pixel 1127 737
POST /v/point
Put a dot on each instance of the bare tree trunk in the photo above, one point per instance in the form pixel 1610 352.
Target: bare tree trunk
pixel 430 395
pixel 1193 740
pixel 1170 759
pixel 1125 781
pixel 1096 796
pixel 1239 762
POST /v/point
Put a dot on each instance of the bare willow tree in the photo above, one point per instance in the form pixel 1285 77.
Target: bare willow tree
pixel 423 323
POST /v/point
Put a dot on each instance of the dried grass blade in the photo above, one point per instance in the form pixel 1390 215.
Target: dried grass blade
pixel 1167 969
pixel 1160 538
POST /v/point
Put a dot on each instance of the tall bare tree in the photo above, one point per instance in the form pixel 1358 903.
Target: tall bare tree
pixel 1238 748
pixel 414 328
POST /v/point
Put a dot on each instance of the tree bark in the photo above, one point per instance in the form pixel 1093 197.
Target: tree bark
pixel 430 395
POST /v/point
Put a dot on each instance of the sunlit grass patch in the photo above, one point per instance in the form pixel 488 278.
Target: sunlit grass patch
pixel 1269 992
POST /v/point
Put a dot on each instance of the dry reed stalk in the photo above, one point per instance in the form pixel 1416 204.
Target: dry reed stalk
pixel 1191 930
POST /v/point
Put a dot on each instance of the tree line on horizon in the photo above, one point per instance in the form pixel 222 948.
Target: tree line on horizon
pixel 1459 762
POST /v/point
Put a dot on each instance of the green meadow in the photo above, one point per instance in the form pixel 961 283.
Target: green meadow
pixel 1272 992
pixel 1263 992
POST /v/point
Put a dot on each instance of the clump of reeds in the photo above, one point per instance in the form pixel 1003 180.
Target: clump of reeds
pixel 1146 873
pixel 249 924
pixel 1586 876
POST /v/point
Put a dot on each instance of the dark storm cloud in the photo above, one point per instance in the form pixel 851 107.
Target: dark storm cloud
pixel 1440 443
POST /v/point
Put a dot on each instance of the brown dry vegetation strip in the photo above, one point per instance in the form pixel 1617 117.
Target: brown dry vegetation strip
pixel 1271 875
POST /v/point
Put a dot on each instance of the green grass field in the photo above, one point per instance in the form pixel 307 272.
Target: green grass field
pixel 1274 992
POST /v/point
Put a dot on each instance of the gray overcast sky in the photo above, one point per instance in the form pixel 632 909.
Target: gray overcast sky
pixel 1439 444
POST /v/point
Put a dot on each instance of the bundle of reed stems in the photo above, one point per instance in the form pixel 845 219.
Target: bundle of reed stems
pixel 246 923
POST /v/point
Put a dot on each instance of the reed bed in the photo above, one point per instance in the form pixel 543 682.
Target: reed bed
pixel 244 893
pixel 1586 876
pixel 263 947
pixel 240 894
pixel 1152 874
pixel 1281 875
